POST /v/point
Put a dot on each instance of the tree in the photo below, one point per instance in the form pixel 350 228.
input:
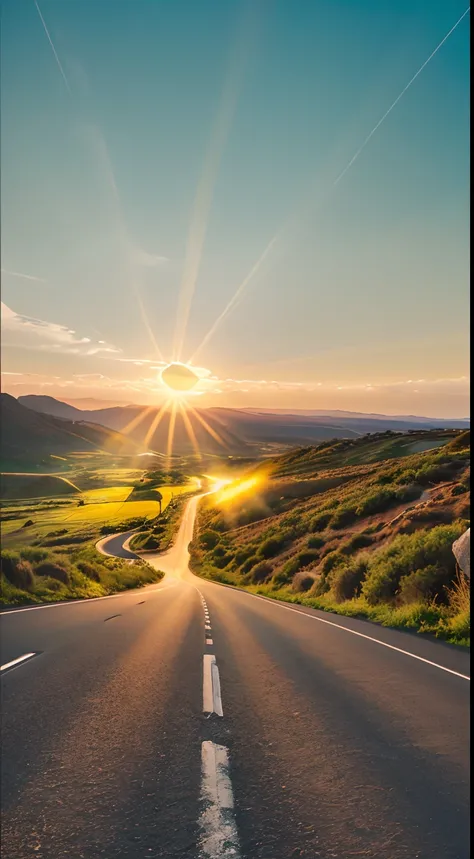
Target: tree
pixel 159 498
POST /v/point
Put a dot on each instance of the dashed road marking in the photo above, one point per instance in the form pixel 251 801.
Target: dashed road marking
pixel 15 662
pixel 209 641
pixel 211 687
pixel 219 837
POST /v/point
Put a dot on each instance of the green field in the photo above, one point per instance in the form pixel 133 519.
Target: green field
pixel 37 521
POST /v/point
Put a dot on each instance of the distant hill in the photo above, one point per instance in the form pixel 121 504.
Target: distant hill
pixel 237 432
pixel 28 437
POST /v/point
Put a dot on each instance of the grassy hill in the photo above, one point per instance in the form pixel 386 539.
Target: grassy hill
pixel 361 527
pixel 29 439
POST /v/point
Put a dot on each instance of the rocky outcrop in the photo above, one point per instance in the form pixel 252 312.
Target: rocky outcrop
pixel 462 552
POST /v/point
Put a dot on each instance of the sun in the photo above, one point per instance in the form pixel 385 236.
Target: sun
pixel 179 377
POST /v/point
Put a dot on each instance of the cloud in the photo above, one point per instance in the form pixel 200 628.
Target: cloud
pixel 26 332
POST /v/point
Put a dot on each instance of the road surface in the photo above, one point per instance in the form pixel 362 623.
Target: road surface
pixel 187 719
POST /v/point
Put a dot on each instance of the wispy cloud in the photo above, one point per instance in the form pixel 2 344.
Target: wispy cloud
pixel 26 332
pixel 58 61
pixel 22 275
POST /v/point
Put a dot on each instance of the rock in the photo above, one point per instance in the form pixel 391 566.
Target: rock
pixel 462 552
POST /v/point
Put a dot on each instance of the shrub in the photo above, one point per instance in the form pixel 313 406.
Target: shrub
pixel 459 489
pixel 307 557
pixel 377 502
pixel 28 523
pixel 92 571
pixel 243 554
pixel 19 572
pixel 219 552
pixel 302 582
pixel 281 578
pixel 31 553
pixel 291 566
pixel 249 563
pixel 261 572
pixel 342 517
pixel 271 547
pixel 410 492
pixel 357 541
pixel 334 559
pixel 315 542
pixel 223 560
pixel 406 554
pixel 346 582
pixel 54 571
pixel 425 584
pixel 209 539
pixel 321 521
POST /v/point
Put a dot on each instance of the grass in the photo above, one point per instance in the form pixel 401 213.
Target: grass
pixel 375 543
pixel 32 576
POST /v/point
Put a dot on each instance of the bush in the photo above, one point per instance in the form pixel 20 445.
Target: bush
pixel 261 572
pixel 377 502
pixel 209 539
pixel 249 563
pixel 92 571
pixel 19 572
pixel 357 541
pixel 425 584
pixel 243 554
pixel 459 489
pixel 321 521
pixel 271 547
pixel 31 553
pixel 315 542
pixel 410 492
pixel 28 523
pixel 54 571
pixel 406 554
pixel 302 582
pixel 307 557
pixel 342 517
pixel 346 582
pixel 281 578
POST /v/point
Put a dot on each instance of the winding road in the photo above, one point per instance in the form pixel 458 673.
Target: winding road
pixel 188 719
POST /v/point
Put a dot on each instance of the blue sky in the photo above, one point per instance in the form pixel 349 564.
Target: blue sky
pixel 166 144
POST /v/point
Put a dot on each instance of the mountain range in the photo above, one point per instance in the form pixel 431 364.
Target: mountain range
pixel 36 426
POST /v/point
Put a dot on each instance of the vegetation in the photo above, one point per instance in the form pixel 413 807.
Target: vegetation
pixel 375 543
pixel 36 576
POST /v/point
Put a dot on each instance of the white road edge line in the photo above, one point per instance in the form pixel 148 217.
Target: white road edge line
pixel 17 661
pixel 359 634
pixel 165 587
pixel 219 837
pixel 211 687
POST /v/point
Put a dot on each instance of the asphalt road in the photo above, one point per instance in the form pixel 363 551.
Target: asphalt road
pixel 330 743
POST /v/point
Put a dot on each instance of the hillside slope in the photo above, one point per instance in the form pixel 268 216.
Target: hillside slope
pixel 351 528
pixel 222 431
pixel 29 438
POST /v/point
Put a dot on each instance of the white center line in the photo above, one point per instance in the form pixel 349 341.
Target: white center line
pixel 17 661
pixel 219 838
pixel 209 641
pixel 211 687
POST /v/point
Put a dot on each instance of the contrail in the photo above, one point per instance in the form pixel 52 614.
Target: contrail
pixel 204 192
pixel 387 112
pixel 240 289
pixel 24 276
pixel 53 49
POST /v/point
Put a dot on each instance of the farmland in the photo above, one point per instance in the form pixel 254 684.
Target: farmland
pixel 48 540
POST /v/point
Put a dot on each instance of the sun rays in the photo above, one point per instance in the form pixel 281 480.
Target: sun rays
pixel 179 415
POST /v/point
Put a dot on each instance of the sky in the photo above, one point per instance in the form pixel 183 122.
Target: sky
pixel 226 184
